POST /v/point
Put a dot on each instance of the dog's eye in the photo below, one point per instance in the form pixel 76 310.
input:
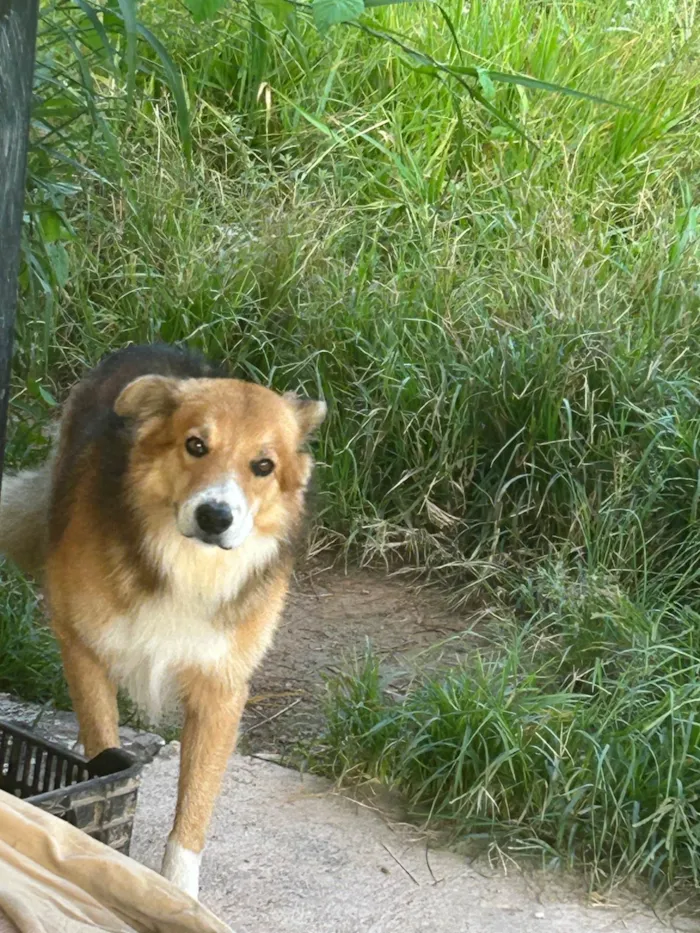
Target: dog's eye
pixel 196 446
pixel 262 467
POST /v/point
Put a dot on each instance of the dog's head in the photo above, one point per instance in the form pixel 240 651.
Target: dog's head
pixel 220 458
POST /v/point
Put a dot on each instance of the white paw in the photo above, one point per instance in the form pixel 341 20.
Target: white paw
pixel 181 867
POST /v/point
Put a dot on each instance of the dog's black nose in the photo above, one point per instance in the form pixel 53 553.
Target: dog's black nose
pixel 213 517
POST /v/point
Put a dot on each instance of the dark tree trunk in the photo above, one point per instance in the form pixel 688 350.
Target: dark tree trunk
pixel 18 22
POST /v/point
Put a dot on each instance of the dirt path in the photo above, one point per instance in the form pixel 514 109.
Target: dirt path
pixel 329 618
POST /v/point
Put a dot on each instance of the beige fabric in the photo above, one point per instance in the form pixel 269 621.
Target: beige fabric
pixel 6 926
pixel 55 879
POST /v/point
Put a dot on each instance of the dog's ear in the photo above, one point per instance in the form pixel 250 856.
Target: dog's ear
pixel 148 397
pixel 309 413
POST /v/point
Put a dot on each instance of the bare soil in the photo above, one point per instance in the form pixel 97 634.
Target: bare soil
pixel 330 617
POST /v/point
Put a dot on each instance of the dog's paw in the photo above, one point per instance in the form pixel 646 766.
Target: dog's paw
pixel 181 867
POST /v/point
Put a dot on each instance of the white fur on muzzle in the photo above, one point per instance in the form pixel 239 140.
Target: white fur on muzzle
pixel 227 493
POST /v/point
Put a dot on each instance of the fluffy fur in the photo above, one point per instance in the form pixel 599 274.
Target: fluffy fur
pixel 163 529
pixel 24 511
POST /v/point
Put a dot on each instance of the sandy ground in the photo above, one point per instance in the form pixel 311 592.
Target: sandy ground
pixel 288 855
pixel 329 618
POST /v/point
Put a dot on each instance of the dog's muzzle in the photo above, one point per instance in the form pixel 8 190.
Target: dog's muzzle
pixel 213 518
pixel 218 515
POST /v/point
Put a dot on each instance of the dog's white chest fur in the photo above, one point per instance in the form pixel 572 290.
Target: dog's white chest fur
pixel 146 649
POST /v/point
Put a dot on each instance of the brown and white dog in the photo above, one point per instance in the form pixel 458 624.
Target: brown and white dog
pixel 162 529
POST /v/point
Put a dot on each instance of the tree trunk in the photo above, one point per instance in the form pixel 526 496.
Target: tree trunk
pixel 18 24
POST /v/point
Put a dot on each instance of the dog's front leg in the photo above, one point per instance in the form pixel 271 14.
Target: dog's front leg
pixel 212 715
pixel 93 693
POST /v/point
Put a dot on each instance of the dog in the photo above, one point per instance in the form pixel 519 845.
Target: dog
pixel 163 528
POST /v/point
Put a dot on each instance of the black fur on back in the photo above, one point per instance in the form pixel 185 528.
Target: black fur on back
pixel 93 433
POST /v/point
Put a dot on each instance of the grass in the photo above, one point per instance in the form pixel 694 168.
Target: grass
pixel 507 335
pixel 30 666
pixel 572 735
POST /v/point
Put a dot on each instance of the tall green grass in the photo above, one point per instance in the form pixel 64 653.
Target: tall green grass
pixel 507 336
pixel 574 735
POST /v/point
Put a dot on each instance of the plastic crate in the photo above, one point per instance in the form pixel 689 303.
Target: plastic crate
pixel 98 796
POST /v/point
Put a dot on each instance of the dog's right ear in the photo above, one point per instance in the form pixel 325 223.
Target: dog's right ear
pixel 148 397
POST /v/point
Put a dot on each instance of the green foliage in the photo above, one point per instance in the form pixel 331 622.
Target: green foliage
pixel 30 665
pixel 204 9
pixel 565 736
pixel 508 336
pixel 329 13
pixel 88 66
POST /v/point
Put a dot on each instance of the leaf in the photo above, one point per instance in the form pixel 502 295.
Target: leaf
pixel 328 13
pixel 314 121
pixel 204 9
pixel 280 9
pixel 501 132
pixel 47 396
pixel 91 14
pixel 128 11
pixel 91 102
pixel 487 85
pixel 64 188
pixel 51 224
pixel 450 25
pixel 501 77
pixel 500 116
pixel 177 88
pixel 537 85
pixel 58 258
pixel 36 390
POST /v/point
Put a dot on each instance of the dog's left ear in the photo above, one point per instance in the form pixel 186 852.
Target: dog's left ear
pixel 148 397
pixel 309 413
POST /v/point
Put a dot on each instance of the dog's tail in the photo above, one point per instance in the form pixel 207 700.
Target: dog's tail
pixel 24 518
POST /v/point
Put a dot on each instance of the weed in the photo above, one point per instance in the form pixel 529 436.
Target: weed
pixel 576 738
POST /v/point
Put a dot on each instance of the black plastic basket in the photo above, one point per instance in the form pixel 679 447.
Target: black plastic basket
pixel 98 796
